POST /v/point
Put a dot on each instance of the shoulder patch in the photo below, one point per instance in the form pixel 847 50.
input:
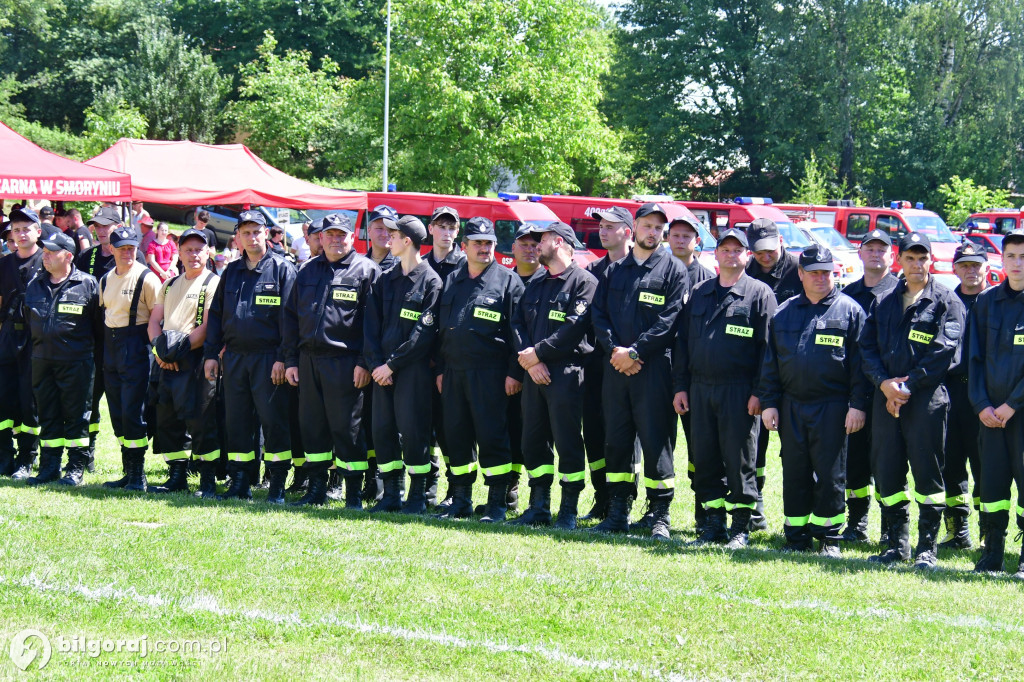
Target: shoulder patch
pixel 427 319
pixel 952 330
pixel 581 306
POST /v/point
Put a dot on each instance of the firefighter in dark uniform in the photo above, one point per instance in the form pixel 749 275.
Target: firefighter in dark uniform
pixel 62 306
pixel 777 268
pixel 615 230
pixel 128 294
pixel 324 341
pixel 185 397
pixel 717 362
pixel 400 330
pixel 245 322
pixel 875 253
pixel 970 264
pixel 995 351
pixel 636 311
pixel 444 258
pixel 684 240
pixel 552 326
pixel 911 339
pixel 814 393
pixel 478 371
pixel 19 423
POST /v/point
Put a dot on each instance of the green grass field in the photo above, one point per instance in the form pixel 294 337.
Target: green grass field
pixel 328 594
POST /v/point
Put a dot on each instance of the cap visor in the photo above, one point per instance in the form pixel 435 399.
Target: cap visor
pixel 817 266
pixel 876 239
pixel 971 259
pixel 481 238
pixel 769 244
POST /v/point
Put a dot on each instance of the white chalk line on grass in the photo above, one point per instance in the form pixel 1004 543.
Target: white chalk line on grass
pixel 208 604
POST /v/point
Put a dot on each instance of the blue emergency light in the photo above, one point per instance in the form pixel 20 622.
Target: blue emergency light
pixel 392 187
pixel 919 206
pixel 747 201
pixel 534 197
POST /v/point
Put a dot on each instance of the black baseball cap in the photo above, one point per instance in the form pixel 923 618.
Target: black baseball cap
pixel 23 214
pixel 124 236
pixel 192 232
pixel 615 214
pixel 1013 237
pixel 763 235
pixel 58 241
pixel 877 235
pixel 733 233
pixel 969 252
pixel 480 229
pixel 385 213
pixel 336 221
pixel 316 226
pixel 107 215
pixel 46 212
pixel 816 257
pixel 445 211
pixel 648 209
pixel 413 228
pixel 526 230
pixel 686 220
pixel 558 228
pixel 252 217
pixel 915 240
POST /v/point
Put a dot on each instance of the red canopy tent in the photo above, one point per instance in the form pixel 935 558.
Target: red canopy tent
pixel 30 172
pixel 201 174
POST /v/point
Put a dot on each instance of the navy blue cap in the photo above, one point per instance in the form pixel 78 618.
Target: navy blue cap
pixel 107 215
pixel 193 232
pixel 557 227
pixel 733 233
pixel 526 230
pixel 969 252
pixel 877 235
pixel 252 217
pixel 124 236
pixel 480 229
pixel 337 221
pixel 316 227
pixel 385 213
pixel 23 214
pixel 816 257
pixel 614 214
pixel 58 241
pixel 444 211
pixel 763 233
pixel 915 240
pixel 648 209
pixel 685 220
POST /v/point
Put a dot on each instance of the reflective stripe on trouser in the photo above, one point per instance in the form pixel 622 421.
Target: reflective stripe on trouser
pixel 640 406
pixel 248 392
pixel 553 415
pixel 126 375
pixel 1002 462
pixel 916 439
pixel 402 421
pixel 475 414
pixel 814 468
pixel 961 448
pixel 18 406
pixel 331 410
pixel 186 406
pixel 63 391
pixel 726 459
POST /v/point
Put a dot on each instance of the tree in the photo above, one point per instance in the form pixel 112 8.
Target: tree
pixel 963 197
pixel 108 120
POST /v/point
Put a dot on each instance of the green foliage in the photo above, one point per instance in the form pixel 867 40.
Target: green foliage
pixel 110 119
pixel 963 197
pixel 814 187
pixel 54 140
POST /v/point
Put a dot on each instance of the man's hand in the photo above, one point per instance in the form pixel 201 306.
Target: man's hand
pixel 440 381
pixel 540 374
pixel 512 386
pixel 891 390
pixel 528 358
pixel 1004 413
pixel 620 359
pixel 361 377
pixel 854 420
pixel 681 402
pixel 211 368
pixel 292 375
pixel 770 418
pixel 893 408
pixel 988 418
pixel 754 406
pixel 170 366
pixel 382 375
pixel 277 373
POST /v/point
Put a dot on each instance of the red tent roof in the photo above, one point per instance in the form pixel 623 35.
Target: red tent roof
pixel 190 173
pixel 31 172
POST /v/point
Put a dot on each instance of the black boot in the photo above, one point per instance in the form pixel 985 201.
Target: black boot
pixel 430 481
pixel 23 465
pixel 830 549
pixel 316 488
pixel 49 468
pixel 416 502
pixel 123 481
pixel 461 506
pixel 497 503
pixel 991 559
pixel 373 486
pixel 239 488
pixel 177 481
pixel 335 486
pixel 207 480
pixel 739 532
pixel 1019 575
pixel 617 520
pixel 391 500
pixel 539 512
pixel 758 521
pixel 77 464
pixel 661 525
pixel 926 552
pixel 300 478
pixel 354 492
pixel 856 519
pixel 600 509
pixel 958 533
pixel 700 515
pixel 277 475
pixel 646 520
pixel 898 532
pixel 567 509
pixel 512 494
pixel 7 462
pixel 883 536
pixel 136 470
pixel 798 539
pixel 714 532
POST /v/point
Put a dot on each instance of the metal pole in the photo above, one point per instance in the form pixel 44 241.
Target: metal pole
pixel 387 97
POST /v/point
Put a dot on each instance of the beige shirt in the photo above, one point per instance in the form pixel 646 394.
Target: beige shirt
pixel 117 292
pixel 180 299
pixel 910 299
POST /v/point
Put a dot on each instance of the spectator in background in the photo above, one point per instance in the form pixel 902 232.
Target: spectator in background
pixel 276 241
pixel 162 253
pixel 300 245
pixel 146 233
pixel 202 224
pixel 220 263
pixel 46 218
pixel 231 250
pixel 78 230
pixel 138 213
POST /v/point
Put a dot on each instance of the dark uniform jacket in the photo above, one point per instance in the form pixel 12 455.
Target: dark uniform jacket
pixel 638 304
pixel 867 296
pixel 921 343
pixel 813 353
pixel 553 315
pixel 389 261
pixel 246 314
pixel 325 312
pixel 968 301
pixel 783 279
pixel 476 319
pixel 93 262
pixel 697 273
pixel 723 341
pixel 451 262
pixel 995 349
pixel 15 274
pixel 401 317
pixel 63 318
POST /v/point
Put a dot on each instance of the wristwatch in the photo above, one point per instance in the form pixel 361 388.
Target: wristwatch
pixel 633 355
